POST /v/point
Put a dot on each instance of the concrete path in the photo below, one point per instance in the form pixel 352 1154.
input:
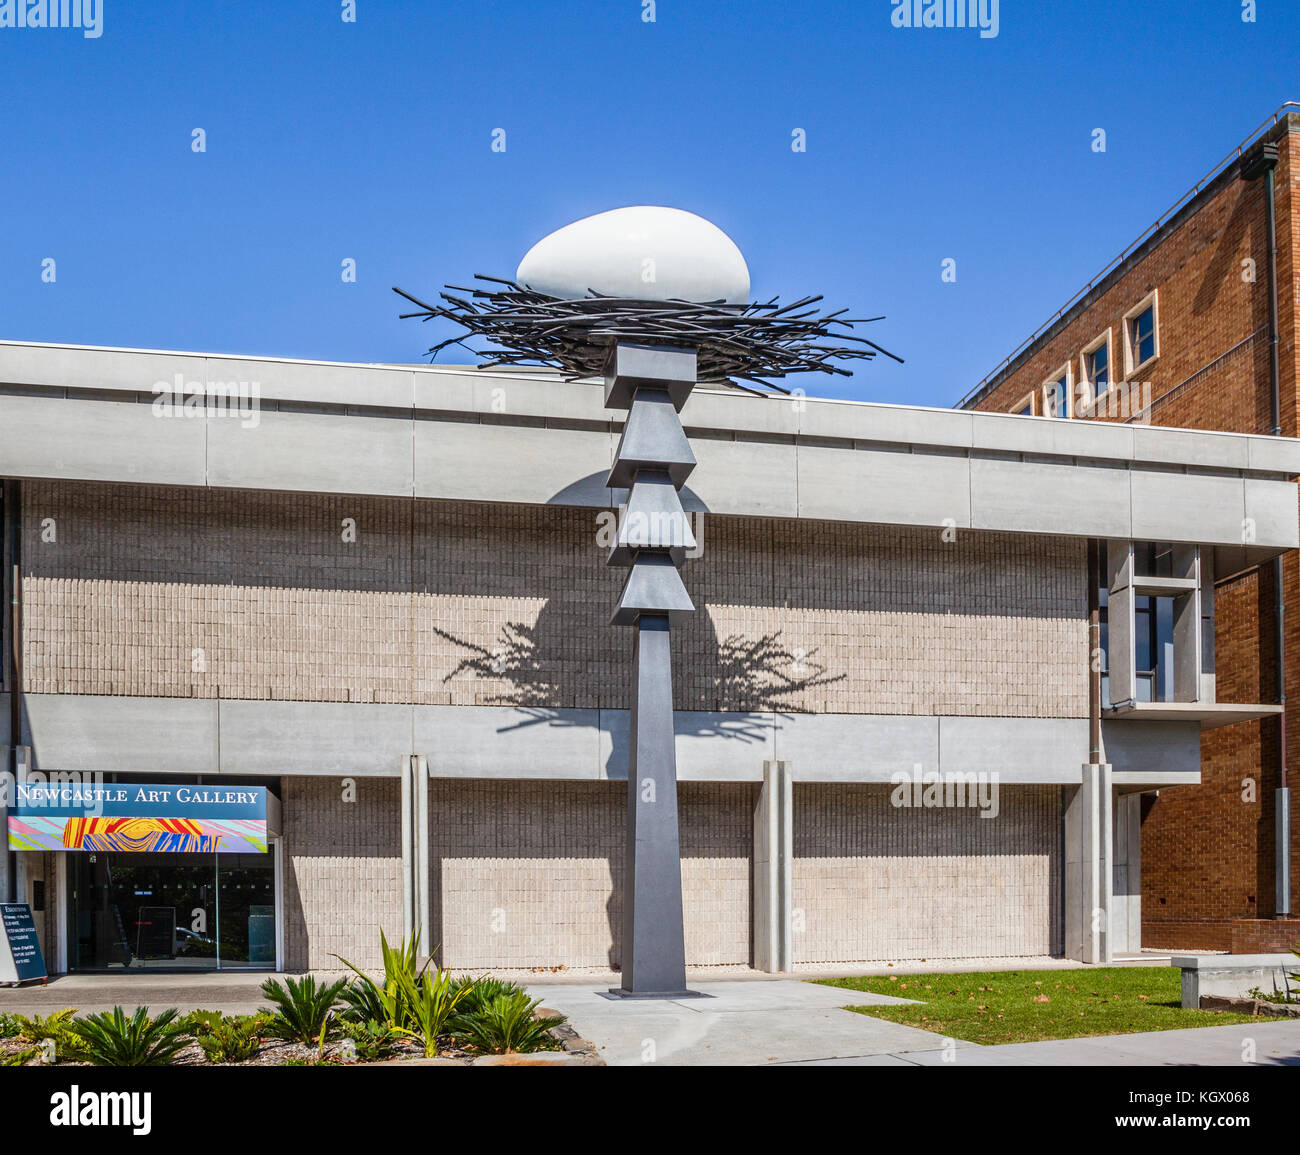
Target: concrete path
pixel 738 1022
pixel 786 1022
pixel 1265 1043
pixel 230 993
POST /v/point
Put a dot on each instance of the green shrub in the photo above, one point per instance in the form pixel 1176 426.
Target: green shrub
pixel 304 1008
pixel 504 1023
pixel 387 1001
pixel 373 1040
pixel 196 1022
pixel 57 1026
pixel 18 1058
pixel 113 1040
pixel 231 1039
pixel 362 1003
pixel 481 991
pixel 416 1001
pixel 38 1028
pixel 9 1026
pixel 433 1001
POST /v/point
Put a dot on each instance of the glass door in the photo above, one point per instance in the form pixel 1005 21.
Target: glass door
pixel 142 911
pixel 133 911
pixel 246 910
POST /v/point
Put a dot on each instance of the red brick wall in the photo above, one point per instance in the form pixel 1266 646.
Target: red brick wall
pixel 1207 850
pixel 1265 936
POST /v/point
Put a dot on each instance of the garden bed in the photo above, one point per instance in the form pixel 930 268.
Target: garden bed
pixel 412 1014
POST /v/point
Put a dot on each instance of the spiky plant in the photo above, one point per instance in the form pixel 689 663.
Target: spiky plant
pixel 303 1007
pixel 506 1023
pixel 112 1040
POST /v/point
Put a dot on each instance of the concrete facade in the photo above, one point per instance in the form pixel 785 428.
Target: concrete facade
pixel 362 604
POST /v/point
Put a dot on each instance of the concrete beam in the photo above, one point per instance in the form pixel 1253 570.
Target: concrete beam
pixel 208 736
pixel 441 432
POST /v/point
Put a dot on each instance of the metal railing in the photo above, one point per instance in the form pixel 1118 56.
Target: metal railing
pixel 1147 234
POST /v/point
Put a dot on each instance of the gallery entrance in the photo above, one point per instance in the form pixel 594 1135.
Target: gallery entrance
pixel 131 910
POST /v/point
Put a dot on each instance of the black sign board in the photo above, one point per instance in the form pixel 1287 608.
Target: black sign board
pixel 20 949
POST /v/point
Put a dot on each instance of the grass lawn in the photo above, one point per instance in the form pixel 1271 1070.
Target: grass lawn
pixel 1027 1006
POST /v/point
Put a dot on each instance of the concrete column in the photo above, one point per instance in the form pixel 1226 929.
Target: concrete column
pixel 773 870
pixel 13 883
pixel 1188 627
pixel 1126 898
pixel 1088 859
pixel 1121 601
pixel 415 850
pixel 422 880
pixel 1208 689
pixel 6 859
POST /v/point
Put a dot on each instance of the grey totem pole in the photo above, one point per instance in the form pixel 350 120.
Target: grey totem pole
pixel 581 308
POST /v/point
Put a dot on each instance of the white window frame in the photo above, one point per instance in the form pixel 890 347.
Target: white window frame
pixel 1151 301
pixel 1105 338
pixel 1018 408
pixel 1066 371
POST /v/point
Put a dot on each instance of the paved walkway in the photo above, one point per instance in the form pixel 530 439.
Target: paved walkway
pixel 1271 1043
pixel 797 1023
pixel 230 993
pixel 738 1022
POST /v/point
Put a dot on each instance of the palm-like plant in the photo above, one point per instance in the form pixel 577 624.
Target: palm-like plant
pixel 432 1001
pixel 111 1039
pixel 415 1001
pixel 504 1023
pixel 386 1001
pixel 303 1008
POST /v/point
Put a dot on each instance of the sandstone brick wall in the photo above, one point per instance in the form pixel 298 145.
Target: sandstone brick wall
pixel 530 874
pixel 1207 850
pixel 342 869
pixel 186 593
pixel 876 882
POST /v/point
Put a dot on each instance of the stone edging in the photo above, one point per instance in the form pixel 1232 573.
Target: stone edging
pixel 1257 1007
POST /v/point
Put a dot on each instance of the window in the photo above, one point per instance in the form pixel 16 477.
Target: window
pixel 1153 626
pixel 1094 369
pixel 1056 393
pixel 1025 406
pixel 1142 334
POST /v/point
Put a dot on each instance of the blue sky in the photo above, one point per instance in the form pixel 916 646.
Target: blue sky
pixel 371 140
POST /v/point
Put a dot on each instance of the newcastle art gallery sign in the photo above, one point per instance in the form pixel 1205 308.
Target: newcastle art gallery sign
pixel 157 819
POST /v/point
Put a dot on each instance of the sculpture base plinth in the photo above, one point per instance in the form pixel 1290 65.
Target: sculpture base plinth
pixel 620 993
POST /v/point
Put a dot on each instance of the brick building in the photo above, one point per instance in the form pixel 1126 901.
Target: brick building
pixel 1178 331
pixel 340 601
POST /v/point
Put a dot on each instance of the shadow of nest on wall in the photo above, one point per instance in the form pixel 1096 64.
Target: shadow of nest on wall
pixel 752 677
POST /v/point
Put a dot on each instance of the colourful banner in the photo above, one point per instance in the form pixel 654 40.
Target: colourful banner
pixel 153 818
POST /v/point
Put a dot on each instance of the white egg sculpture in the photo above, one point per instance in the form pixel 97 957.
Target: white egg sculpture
pixel 647 251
